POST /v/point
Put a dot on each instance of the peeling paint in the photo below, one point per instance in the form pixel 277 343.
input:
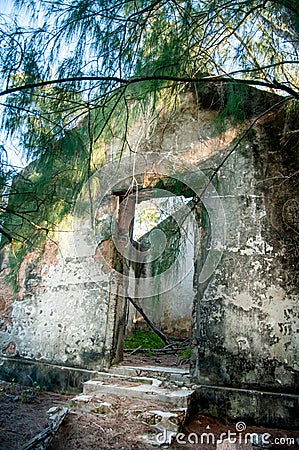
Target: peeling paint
pixel 250 306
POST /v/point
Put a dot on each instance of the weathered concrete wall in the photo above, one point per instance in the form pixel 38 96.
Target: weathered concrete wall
pixel 61 312
pixel 246 331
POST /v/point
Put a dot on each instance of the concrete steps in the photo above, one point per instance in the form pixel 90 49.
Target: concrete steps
pixel 162 384
pixel 166 389
pixel 165 373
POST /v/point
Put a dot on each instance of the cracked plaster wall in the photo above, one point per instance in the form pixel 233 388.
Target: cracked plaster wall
pixel 247 329
pixel 61 313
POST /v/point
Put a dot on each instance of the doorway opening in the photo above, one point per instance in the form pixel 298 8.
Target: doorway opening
pixel 164 229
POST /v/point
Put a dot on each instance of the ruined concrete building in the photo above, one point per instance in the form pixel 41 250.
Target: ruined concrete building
pixel 222 266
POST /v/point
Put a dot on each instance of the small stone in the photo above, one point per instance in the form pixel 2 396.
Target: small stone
pixel 164 421
pixel 53 410
pixel 102 408
pixel 82 398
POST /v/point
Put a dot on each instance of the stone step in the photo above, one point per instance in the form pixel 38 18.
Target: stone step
pixel 110 376
pixel 149 391
pixel 175 374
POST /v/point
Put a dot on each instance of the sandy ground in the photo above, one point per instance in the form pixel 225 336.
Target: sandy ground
pixel 118 423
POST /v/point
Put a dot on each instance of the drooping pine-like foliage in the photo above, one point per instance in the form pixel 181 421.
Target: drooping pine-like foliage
pixel 125 39
pixel 79 56
pixel 71 69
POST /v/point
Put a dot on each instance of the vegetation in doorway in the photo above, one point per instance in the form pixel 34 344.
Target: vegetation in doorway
pixel 146 342
pixel 185 354
pixel 143 341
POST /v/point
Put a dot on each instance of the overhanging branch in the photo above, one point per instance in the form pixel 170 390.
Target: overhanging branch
pixel 131 81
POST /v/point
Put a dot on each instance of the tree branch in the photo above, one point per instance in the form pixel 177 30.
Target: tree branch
pixel 276 105
pixel 124 81
pixel 7 235
pixel 148 321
